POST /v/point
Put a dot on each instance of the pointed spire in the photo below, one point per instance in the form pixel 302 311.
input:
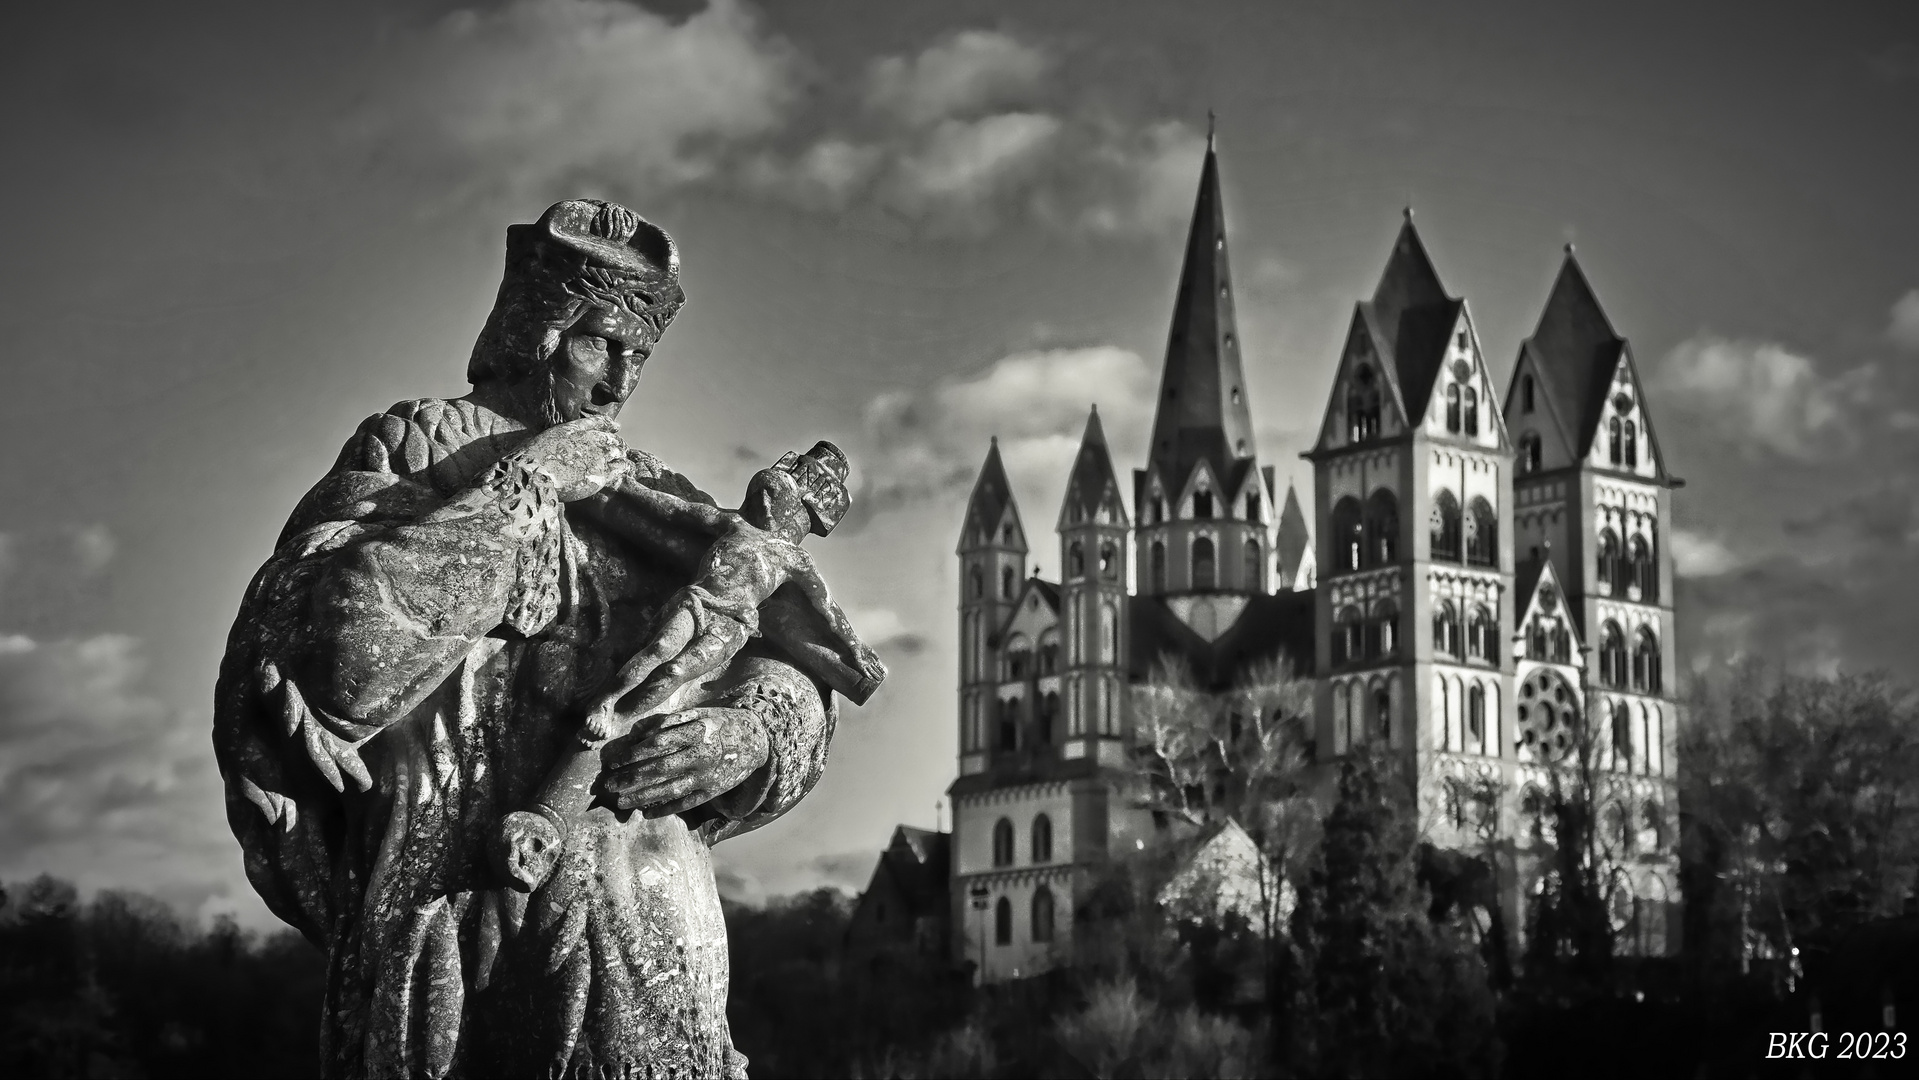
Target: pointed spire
pixel 1092 478
pixel 1202 413
pixel 1414 315
pixel 1575 350
pixel 1293 542
pixel 992 494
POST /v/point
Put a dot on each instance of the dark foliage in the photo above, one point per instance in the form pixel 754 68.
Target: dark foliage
pixel 121 987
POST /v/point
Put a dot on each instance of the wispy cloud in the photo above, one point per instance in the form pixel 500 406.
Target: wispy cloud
pixel 1698 555
pixel 927 444
pixel 1765 398
pixel 967 72
pixel 1902 327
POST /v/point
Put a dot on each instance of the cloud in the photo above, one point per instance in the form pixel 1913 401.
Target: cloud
pixel 539 91
pixel 963 73
pixel 928 444
pixel 1697 555
pixel 99 781
pixel 1903 328
pixel 970 134
pixel 1767 399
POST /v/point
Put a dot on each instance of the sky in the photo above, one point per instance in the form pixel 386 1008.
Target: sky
pixel 237 229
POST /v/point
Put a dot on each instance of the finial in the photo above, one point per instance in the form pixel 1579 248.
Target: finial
pixel 995 439
pixel 1210 122
pixel 1096 408
pixel 1407 212
pixel 1569 247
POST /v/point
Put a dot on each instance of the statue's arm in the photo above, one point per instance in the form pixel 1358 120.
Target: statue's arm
pixel 798 716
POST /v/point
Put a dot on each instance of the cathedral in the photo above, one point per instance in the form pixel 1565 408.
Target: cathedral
pixel 1483 579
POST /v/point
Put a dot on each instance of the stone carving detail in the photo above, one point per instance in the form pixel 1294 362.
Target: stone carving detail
pixel 492 606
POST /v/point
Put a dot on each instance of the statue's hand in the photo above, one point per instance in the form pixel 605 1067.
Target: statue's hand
pixel 582 456
pixel 676 761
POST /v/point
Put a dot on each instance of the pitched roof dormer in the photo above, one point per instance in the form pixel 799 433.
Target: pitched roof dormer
pixel 1092 488
pixel 1202 413
pixel 992 516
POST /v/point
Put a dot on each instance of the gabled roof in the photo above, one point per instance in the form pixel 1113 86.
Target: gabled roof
pixel 1575 351
pixel 1092 478
pixel 1202 412
pixel 1270 623
pixel 1529 575
pixel 1292 540
pixel 992 495
pixel 1412 318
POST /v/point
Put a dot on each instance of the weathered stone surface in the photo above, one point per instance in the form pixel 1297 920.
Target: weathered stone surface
pixel 410 673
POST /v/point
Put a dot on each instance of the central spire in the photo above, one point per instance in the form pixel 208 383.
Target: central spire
pixel 1202 413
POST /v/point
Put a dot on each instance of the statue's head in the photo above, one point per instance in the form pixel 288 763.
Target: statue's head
pixel 801 493
pixel 588 290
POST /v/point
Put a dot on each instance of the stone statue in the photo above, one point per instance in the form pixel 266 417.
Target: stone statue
pixel 491 606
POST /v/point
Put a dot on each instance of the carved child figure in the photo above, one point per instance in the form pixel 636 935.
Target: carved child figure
pixel 697 632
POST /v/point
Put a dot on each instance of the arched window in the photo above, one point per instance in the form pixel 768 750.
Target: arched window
pixel 1159 508
pixel 1536 645
pixel 1382 714
pixel 1019 657
pixel 1362 406
pixel 1528 453
pixel 1006 580
pixel 1252 506
pixel 1003 842
pixel 1526 394
pixel 1108 634
pixel 1049 656
pixel 1609 583
pixel 1562 642
pixel 1003 922
pixel 1612 655
pixel 1471 409
pixel 1476 718
pixel 1075 560
pixel 1614 449
pixel 1452 408
pixel 1445 526
pixel 1386 627
pixel 1349 540
pixel 1042 839
pixel 1482 534
pixel 1645 661
pixel 1446 629
pixel 1009 724
pixel 1108 561
pixel 1202 505
pixel 1346 636
pixel 1203 568
pixel 1642 580
pixel 1159 566
pixel 1382 529
pixel 1622 747
pixel 1482 636
pixel 1042 914
pixel 1048 716
pixel 976 583
pixel 1006 533
pixel 1632 445
pixel 1255 563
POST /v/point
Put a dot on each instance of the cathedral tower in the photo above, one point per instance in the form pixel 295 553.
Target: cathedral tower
pixel 1202 500
pixel 1093 559
pixel 1594 500
pixel 992 554
pixel 1413 504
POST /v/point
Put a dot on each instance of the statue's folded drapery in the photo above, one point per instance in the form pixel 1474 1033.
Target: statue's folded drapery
pixel 401 675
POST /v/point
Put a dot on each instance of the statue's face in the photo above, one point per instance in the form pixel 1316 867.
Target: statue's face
pixel 596 368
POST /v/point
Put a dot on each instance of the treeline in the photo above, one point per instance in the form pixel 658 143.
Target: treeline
pixel 122 987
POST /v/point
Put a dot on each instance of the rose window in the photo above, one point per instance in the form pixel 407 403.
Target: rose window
pixel 1548 711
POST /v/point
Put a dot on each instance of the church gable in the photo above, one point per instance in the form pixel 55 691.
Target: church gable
pixel 1365 403
pixel 1546 630
pixel 1035 612
pixel 1461 406
pixel 1622 438
pixel 1542 437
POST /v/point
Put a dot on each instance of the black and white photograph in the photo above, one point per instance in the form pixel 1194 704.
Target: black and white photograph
pixel 628 539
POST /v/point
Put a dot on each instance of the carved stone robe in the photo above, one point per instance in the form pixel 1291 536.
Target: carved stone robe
pixel 404 672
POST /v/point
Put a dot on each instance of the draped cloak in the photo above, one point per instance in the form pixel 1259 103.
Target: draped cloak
pixel 404 671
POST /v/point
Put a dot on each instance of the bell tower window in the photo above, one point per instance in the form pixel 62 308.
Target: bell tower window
pixel 1362 406
pixel 1204 566
pixel 1203 505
